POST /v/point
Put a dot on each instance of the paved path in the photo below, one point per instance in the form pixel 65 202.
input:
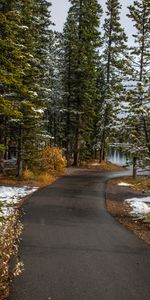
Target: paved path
pixel 74 250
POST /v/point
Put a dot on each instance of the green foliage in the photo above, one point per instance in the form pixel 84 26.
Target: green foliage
pixel 138 117
pixel 24 75
pixel 81 40
pixel 113 69
pixel 2 149
pixel 62 89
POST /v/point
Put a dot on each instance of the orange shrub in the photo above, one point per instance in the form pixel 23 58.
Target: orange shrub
pixel 45 178
pixel 52 160
pixel 27 174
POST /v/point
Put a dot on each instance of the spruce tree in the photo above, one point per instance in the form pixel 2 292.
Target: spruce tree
pixel 138 118
pixel 26 60
pixel 37 78
pixel 115 66
pixel 69 65
pixel 81 42
pixel 54 118
pixel 13 65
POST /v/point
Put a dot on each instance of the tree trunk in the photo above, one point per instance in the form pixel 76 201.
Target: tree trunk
pixel 134 167
pixel 68 152
pixel 95 154
pixel 100 155
pixel 76 149
pixel 6 140
pixel 68 124
pixel 104 154
pixel 19 161
pixel 6 148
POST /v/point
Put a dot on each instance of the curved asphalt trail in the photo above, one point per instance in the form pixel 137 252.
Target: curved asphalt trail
pixel 74 250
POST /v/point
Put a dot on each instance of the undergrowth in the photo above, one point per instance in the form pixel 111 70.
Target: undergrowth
pixel 10 230
pixel 141 183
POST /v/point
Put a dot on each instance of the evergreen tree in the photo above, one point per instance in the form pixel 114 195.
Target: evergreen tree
pixel 13 65
pixel 37 18
pixel 138 117
pixel 81 42
pixel 54 117
pixel 27 62
pixel 69 66
pixel 115 66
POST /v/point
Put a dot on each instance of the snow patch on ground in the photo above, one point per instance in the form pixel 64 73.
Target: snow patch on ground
pixel 95 164
pixel 9 196
pixel 140 206
pixel 124 184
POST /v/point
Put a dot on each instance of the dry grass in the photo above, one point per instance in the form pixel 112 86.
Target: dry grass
pixel 108 166
pixel 146 220
pixel 141 183
pixel 45 179
pixel 28 175
pixel 10 230
pixel 38 180
pixel 103 166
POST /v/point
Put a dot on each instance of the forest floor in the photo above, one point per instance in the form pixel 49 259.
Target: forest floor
pixel 103 166
pixel 120 209
pixel 12 181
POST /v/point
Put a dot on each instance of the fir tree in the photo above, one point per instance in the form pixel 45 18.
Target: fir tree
pixel 115 66
pixel 27 64
pixel 37 78
pixel 54 112
pixel 13 65
pixel 81 42
pixel 138 118
pixel 69 65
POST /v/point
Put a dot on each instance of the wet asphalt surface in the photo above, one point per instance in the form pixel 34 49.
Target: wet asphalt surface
pixel 73 249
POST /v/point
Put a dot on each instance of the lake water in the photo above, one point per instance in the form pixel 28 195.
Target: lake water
pixel 118 158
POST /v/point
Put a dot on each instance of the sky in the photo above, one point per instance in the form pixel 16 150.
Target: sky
pixel 60 8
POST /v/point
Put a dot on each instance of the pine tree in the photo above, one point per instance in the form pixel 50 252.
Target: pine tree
pixel 26 58
pixel 38 78
pixel 54 112
pixel 138 118
pixel 13 64
pixel 69 66
pixel 115 66
pixel 81 42
pixel 41 76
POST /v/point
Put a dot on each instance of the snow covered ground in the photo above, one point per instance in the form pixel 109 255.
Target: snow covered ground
pixel 140 206
pixel 9 196
pixel 124 184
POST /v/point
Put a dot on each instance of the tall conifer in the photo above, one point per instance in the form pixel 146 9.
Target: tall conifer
pixel 138 118
pixel 25 72
pixel 82 39
pixel 115 66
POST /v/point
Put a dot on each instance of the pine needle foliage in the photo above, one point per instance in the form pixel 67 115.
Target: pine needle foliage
pixel 81 40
